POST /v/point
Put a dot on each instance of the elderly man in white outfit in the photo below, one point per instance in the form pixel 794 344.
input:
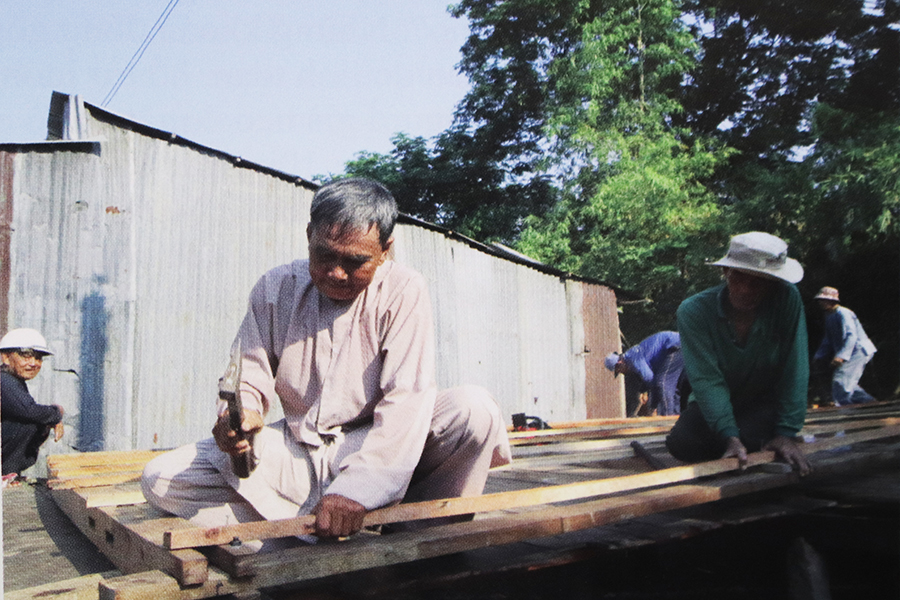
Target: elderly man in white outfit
pixel 845 347
pixel 345 342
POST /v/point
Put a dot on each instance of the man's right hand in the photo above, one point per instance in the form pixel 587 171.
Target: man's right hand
pixel 228 441
pixel 338 516
pixel 735 449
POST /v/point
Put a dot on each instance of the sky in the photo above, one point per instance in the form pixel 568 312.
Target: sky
pixel 301 86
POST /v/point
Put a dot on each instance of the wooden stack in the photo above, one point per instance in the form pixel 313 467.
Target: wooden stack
pixel 572 477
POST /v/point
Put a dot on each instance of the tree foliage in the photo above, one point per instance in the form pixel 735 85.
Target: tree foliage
pixel 637 210
pixel 450 185
pixel 627 139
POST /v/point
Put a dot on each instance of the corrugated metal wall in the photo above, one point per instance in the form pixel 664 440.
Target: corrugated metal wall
pixel 133 260
pixel 134 255
pixel 499 324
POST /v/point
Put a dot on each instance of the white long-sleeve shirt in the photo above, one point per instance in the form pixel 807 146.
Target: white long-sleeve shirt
pixel 337 366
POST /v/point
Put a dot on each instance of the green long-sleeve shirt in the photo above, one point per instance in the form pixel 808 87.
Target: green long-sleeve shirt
pixel 773 365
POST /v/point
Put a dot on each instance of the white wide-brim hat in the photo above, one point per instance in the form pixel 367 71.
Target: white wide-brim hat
pixel 763 254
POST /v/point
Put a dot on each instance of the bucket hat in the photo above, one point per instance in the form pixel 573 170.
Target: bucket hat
pixel 828 293
pixel 761 254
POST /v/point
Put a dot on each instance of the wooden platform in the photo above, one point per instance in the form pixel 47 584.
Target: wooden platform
pixel 575 477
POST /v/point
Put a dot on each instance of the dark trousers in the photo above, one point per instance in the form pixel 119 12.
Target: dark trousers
pixel 21 444
pixel 665 395
pixel 691 439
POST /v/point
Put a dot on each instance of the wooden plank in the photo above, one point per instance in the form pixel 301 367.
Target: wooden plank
pixel 85 587
pixel 851 425
pixel 92 481
pixel 613 447
pixel 303 525
pixel 878 406
pixel 545 440
pixel 108 457
pixel 119 495
pixel 531 478
pixel 187 538
pixel 156 585
pixel 559 459
pixel 322 560
pixel 329 559
pixel 545 436
pixel 132 550
pixel 609 423
pixel 68 471
pixel 571 453
pixel 789 477
pixel 148 584
pixel 313 562
pixel 846 415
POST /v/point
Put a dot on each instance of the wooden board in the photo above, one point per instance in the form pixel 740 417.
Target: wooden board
pixel 132 534
pixel 133 541
pixel 79 588
pixel 186 537
pixel 266 570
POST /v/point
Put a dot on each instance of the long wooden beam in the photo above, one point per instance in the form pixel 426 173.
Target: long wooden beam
pixel 133 547
pixel 618 428
pixel 67 472
pixel 93 480
pixel 607 424
pixel 600 423
pixel 530 524
pixel 550 435
pixel 852 425
pixel 106 457
pixel 577 452
pixel 78 588
pixel 290 566
pixel 196 537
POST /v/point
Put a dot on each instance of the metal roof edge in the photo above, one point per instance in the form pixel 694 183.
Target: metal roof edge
pixel 511 256
pixel 90 146
pixel 106 116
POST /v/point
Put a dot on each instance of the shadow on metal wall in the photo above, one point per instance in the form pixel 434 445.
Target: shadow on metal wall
pixel 93 353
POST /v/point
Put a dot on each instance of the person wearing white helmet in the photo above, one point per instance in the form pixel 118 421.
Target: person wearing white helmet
pixel 26 424
pixel 846 347
pixel 744 344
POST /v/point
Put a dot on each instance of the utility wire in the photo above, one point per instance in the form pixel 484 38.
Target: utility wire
pixel 136 57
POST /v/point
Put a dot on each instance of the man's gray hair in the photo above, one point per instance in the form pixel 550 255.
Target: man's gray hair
pixel 354 204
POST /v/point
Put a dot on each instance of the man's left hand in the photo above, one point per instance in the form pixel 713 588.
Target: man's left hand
pixel 788 450
pixel 338 516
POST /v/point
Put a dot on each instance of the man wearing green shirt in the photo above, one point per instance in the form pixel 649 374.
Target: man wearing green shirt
pixel 745 354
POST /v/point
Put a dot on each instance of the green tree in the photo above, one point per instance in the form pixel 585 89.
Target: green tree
pixel 626 140
pixel 450 184
pixel 637 210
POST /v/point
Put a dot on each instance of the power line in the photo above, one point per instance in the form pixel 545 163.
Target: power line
pixel 136 57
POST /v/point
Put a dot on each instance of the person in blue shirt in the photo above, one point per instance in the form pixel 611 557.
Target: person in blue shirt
pixel 846 347
pixel 657 361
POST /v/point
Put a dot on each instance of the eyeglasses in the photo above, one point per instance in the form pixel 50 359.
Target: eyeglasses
pixel 31 353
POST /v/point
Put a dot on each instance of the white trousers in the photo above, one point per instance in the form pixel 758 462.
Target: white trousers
pixel 196 482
